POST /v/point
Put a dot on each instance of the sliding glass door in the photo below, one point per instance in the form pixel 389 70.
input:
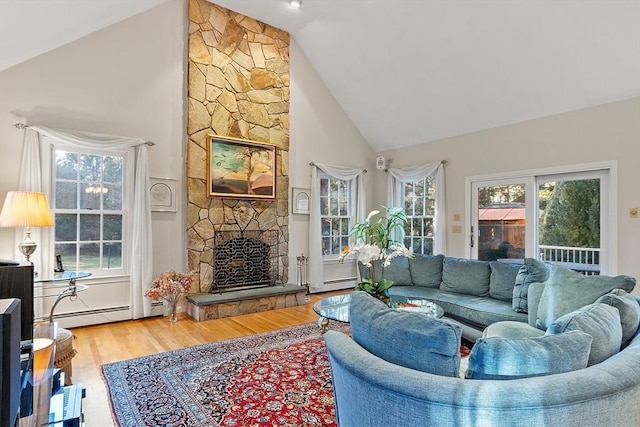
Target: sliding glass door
pixel 563 218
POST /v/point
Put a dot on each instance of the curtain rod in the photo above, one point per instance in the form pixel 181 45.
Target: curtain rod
pixel 443 162
pixel 22 126
pixel 313 164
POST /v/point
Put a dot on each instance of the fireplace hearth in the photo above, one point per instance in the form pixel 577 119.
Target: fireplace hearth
pixel 245 260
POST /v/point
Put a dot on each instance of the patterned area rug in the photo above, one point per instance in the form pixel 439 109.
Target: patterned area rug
pixel 278 378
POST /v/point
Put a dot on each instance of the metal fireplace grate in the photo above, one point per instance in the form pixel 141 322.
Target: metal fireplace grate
pixel 245 259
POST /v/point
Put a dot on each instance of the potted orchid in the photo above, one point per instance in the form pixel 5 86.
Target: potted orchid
pixel 170 286
pixel 376 247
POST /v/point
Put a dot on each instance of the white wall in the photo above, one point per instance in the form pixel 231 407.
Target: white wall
pixel 127 79
pixel 602 133
pixel 320 132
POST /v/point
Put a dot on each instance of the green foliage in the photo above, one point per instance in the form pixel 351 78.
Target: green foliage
pixel 380 233
pixel 572 216
pixel 501 194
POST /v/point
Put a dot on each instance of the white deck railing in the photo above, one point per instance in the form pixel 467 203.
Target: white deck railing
pixel 586 260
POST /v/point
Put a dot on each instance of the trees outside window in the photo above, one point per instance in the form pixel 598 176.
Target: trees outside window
pixel 89 210
pixel 419 207
pixel 336 214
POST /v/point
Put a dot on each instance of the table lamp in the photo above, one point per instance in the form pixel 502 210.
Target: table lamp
pixel 26 209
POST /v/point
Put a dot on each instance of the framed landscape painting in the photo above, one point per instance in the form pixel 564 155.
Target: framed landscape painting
pixel 241 168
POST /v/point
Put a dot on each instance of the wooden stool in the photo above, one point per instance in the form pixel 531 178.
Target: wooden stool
pixel 64 353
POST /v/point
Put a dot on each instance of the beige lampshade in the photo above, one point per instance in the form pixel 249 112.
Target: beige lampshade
pixel 26 209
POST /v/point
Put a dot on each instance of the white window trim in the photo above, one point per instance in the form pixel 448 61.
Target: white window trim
pixel 333 258
pixel 127 201
pixel 610 266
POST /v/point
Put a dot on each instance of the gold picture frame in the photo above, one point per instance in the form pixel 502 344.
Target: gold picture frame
pixel 240 168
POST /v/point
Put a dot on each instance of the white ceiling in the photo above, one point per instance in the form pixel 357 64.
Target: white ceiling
pixel 410 71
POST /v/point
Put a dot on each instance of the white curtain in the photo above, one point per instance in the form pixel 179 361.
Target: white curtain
pixel 398 176
pixel 38 139
pixel 316 270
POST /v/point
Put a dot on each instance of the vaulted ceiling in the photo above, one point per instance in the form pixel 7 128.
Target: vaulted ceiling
pixel 410 71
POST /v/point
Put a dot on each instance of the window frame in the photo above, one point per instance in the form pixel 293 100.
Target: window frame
pixel 609 206
pixel 402 185
pixel 127 201
pixel 350 216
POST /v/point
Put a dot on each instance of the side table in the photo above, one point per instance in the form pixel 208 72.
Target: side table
pixel 64 340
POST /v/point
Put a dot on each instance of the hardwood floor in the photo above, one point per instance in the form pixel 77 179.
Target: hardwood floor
pixel 97 345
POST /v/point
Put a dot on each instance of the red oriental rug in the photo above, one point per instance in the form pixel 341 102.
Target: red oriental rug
pixel 278 378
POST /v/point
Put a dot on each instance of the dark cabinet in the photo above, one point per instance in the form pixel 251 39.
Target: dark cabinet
pixel 16 281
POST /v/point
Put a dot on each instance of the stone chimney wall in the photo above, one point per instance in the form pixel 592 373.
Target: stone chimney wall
pixel 238 86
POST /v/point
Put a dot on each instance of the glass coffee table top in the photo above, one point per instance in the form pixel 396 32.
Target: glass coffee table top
pixel 336 307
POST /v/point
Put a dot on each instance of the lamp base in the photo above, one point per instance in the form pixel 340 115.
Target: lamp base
pixel 27 246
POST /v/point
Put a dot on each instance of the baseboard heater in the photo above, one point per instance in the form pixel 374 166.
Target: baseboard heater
pixel 90 312
pixel 331 282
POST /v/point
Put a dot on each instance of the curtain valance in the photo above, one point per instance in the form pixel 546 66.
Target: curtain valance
pixel 35 175
pixel 316 269
pixel 398 176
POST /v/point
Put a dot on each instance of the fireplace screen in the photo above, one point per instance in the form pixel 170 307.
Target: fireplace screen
pixel 244 260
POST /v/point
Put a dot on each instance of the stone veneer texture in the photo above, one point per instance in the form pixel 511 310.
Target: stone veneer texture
pixel 238 86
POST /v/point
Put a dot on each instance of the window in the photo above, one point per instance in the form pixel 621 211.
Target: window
pixel 560 215
pixel 335 213
pixel 89 212
pixel 419 206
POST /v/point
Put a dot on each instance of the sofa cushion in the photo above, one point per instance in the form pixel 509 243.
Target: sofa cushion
pixel 503 280
pixel 465 276
pixel 511 330
pixel 629 312
pixel 532 271
pixel 412 340
pixel 471 310
pixel 601 321
pixel 426 270
pixel 567 290
pixel 501 359
pixel 397 271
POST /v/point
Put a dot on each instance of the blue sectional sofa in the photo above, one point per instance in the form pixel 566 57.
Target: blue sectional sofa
pixel 473 294
pixel 570 357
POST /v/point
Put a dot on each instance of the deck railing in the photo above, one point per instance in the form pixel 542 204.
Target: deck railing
pixel 585 260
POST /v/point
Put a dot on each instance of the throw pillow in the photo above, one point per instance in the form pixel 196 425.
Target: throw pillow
pixel 412 340
pixel 629 312
pixel 601 321
pixel 426 270
pixel 567 290
pixel 398 271
pixel 503 280
pixel 533 271
pixel 465 276
pixel 496 358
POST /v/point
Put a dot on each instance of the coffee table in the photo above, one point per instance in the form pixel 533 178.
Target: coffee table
pixel 336 308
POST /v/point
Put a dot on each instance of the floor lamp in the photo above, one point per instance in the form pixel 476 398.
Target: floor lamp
pixel 26 209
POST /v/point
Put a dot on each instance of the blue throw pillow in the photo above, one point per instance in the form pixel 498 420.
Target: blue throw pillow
pixel 533 271
pixel 426 270
pixel 601 321
pixel 567 290
pixel 629 312
pixel 398 271
pixel 412 340
pixel 503 280
pixel 465 276
pixel 496 358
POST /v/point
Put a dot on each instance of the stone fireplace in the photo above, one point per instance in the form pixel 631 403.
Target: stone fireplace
pixel 238 86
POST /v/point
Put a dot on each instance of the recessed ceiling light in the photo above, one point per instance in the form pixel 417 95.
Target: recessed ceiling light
pixel 295 3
